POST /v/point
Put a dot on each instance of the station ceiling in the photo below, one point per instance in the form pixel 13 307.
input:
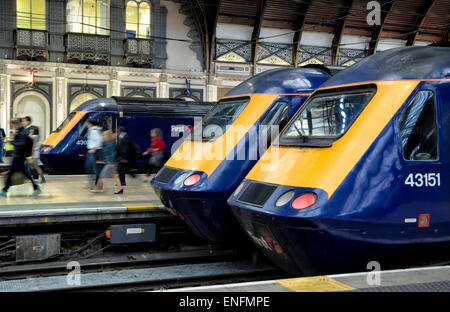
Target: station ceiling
pixel 409 20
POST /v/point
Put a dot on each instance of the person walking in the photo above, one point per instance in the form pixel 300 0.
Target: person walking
pixel 2 144
pixel 23 145
pixel 34 161
pixel 28 129
pixel 94 146
pixel 156 150
pixel 26 123
pixel 110 168
pixel 126 154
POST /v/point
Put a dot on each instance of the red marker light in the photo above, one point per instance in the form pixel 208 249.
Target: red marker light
pixel 424 220
pixel 192 179
pixel 47 149
pixel 304 201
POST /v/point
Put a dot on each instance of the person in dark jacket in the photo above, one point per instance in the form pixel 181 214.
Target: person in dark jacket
pixel 125 154
pixel 2 142
pixel 23 146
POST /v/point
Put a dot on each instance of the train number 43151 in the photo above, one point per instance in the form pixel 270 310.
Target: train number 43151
pixel 426 179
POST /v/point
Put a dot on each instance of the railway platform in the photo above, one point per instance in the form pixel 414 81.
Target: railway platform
pixel 425 279
pixel 67 199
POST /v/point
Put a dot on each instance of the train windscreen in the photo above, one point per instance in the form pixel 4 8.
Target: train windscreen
pixel 65 122
pixel 327 116
pixel 220 117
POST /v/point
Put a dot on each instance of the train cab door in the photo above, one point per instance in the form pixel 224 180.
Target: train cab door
pixel 275 120
pixel 421 178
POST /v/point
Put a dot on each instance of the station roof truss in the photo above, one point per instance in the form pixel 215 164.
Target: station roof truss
pixel 407 20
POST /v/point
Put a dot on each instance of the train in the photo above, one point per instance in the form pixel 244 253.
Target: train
pixel 360 176
pixel 64 151
pixel 197 180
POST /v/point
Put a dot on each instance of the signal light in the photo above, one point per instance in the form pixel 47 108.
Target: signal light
pixel 304 201
pixel 192 179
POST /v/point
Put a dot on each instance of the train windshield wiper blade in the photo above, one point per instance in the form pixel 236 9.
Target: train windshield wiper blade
pixel 301 135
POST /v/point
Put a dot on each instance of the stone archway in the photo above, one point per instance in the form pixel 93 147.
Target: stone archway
pixel 35 105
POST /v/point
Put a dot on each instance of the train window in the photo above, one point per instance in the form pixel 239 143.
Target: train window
pixel 277 116
pixel 107 123
pixel 82 128
pixel 65 122
pixel 327 116
pixel 221 116
pixel 419 128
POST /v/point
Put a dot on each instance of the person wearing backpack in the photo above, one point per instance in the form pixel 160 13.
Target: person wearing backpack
pixel 2 143
pixel 23 146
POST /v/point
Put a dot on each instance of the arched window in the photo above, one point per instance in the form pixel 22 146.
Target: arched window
pixel 138 19
pixel 80 99
pixel 30 14
pixel 88 16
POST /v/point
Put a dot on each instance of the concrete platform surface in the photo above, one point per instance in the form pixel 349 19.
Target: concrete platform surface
pixel 435 279
pixel 68 198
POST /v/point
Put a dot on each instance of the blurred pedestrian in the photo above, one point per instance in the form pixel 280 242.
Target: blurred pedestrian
pixel 34 161
pixel 26 123
pixel 2 143
pixel 23 146
pixel 110 168
pixel 156 151
pixel 9 147
pixel 126 154
pixel 94 146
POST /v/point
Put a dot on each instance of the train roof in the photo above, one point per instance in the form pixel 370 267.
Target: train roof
pixel 146 106
pixel 282 81
pixel 397 64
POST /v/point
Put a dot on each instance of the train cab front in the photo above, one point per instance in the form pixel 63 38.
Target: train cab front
pixel 189 195
pixel 307 203
pixel 197 180
pixel 200 176
pixel 273 217
pixel 58 150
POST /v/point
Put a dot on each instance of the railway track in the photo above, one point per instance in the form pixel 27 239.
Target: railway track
pixel 202 265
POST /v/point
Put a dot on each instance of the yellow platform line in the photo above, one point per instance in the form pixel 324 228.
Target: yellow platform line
pixel 141 206
pixel 313 284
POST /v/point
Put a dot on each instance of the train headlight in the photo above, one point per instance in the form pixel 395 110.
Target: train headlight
pixel 285 198
pixel 181 178
pixel 192 179
pixel 304 201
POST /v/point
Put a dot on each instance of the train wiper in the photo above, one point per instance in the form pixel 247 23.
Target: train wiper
pixel 302 137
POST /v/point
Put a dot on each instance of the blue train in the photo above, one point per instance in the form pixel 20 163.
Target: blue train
pixel 361 172
pixel 64 151
pixel 197 180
